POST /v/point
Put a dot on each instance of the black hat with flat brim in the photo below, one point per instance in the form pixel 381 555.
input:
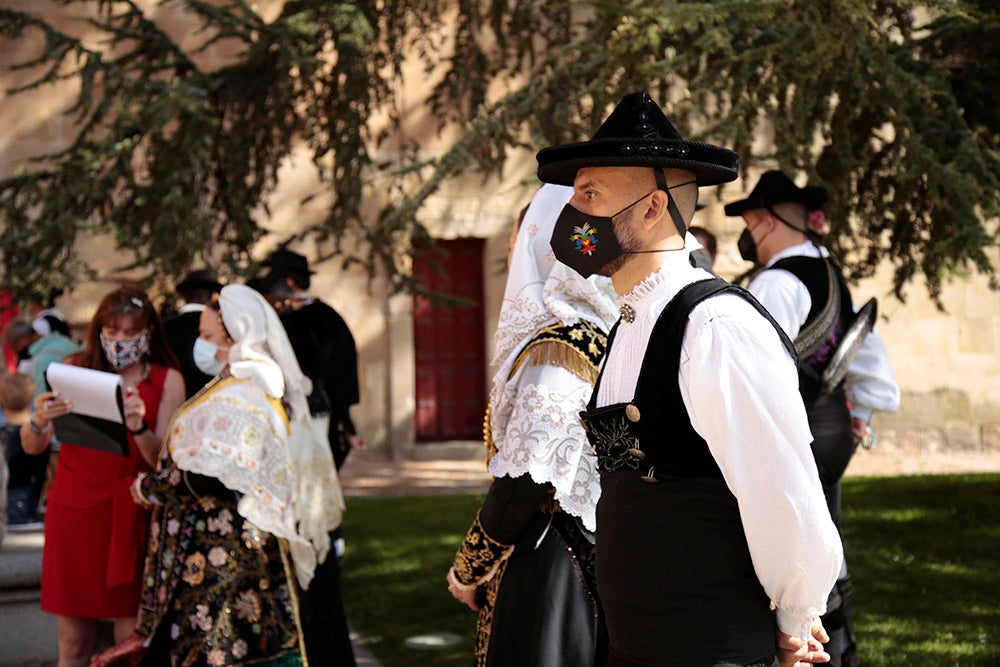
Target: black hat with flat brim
pixel 637 134
pixel 774 187
pixel 199 279
pixel 286 261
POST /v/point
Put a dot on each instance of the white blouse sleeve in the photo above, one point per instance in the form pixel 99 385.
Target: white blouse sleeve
pixel 870 383
pixel 784 296
pixel 740 388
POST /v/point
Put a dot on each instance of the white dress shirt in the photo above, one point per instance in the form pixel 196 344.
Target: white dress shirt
pixel 740 388
pixel 870 383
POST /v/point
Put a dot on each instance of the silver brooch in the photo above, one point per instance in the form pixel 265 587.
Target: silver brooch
pixel 628 312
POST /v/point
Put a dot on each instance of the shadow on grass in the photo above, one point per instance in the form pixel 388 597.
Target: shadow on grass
pixel 398 552
pixel 922 553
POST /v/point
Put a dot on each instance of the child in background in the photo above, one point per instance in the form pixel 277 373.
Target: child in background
pixel 26 472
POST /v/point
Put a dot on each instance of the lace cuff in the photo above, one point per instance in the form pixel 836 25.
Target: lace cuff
pixel 479 557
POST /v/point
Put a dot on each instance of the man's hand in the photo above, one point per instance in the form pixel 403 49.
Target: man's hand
pixel 355 441
pixel 793 652
pixel 859 429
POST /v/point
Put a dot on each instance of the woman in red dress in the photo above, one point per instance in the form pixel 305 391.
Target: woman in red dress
pixel 95 536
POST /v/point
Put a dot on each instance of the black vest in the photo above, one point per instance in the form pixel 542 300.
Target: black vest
pixel 812 273
pixel 673 568
pixel 833 443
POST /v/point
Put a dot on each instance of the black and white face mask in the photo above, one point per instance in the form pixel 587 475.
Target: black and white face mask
pixel 123 353
pixel 587 243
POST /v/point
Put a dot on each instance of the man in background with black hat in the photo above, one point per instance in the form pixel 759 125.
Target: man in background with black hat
pixel 325 350
pixel 711 508
pixel 323 345
pixel 804 291
pixel 181 328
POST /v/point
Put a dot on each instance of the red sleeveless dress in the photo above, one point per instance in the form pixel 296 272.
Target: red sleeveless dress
pixel 95 535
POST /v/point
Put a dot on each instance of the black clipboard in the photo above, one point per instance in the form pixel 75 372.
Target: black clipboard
pixel 88 430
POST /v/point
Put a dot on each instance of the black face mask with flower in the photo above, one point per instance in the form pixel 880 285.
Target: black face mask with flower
pixel 586 243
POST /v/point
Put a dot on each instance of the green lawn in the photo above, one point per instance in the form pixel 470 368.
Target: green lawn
pixel 923 553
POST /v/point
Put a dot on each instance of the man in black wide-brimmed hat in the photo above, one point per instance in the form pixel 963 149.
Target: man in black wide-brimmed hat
pixel 804 291
pixel 325 349
pixel 711 507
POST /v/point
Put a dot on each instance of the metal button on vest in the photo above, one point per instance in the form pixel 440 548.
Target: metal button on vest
pixel 632 413
pixel 636 452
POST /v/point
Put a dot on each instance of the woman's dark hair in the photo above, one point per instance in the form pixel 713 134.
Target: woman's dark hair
pixel 213 304
pixel 126 300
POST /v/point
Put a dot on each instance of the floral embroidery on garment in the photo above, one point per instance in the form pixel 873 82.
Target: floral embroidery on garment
pixel 214 583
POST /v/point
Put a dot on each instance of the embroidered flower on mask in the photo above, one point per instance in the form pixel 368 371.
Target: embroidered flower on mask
pixel 585 239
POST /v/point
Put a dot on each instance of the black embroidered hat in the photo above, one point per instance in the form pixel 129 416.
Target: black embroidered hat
pixel 774 187
pixel 637 134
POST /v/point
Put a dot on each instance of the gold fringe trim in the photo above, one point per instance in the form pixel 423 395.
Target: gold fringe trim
pixel 557 353
pixel 488 444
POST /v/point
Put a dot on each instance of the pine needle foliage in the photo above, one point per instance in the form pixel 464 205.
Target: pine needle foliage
pixel 887 104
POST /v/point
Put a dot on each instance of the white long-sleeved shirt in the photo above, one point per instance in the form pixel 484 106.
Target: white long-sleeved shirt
pixel 740 388
pixel 870 382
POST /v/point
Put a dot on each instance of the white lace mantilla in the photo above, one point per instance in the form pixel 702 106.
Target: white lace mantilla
pixel 541 435
pixel 235 433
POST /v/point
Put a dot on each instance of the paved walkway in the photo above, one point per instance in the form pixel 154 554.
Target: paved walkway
pixel 366 475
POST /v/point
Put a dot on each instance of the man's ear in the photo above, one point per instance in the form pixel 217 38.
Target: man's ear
pixel 768 221
pixel 656 210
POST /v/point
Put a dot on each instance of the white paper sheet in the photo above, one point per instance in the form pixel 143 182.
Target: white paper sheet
pixel 92 393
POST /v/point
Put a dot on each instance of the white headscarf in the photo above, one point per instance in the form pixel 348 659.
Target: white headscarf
pixel 549 445
pixel 262 355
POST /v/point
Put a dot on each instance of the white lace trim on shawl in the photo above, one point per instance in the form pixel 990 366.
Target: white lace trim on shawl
pixel 536 427
pixel 542 435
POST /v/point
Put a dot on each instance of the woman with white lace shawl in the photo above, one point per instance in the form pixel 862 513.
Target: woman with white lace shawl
pixel 245 495
pixel 526 563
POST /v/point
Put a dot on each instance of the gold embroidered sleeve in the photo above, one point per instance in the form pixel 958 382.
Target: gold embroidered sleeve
pixel 479 556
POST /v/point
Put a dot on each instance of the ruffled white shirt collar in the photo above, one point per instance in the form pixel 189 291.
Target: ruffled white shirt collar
pixel 673 274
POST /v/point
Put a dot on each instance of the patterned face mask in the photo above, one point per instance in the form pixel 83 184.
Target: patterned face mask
pixel 123 353
pixel 587 243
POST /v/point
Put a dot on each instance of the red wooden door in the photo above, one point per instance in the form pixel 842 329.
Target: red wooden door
pixel 449 346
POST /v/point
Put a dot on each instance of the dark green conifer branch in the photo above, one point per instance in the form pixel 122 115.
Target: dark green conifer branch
pixel 889 105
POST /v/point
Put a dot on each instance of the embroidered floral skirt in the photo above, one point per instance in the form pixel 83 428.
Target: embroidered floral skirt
pixel 215 587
